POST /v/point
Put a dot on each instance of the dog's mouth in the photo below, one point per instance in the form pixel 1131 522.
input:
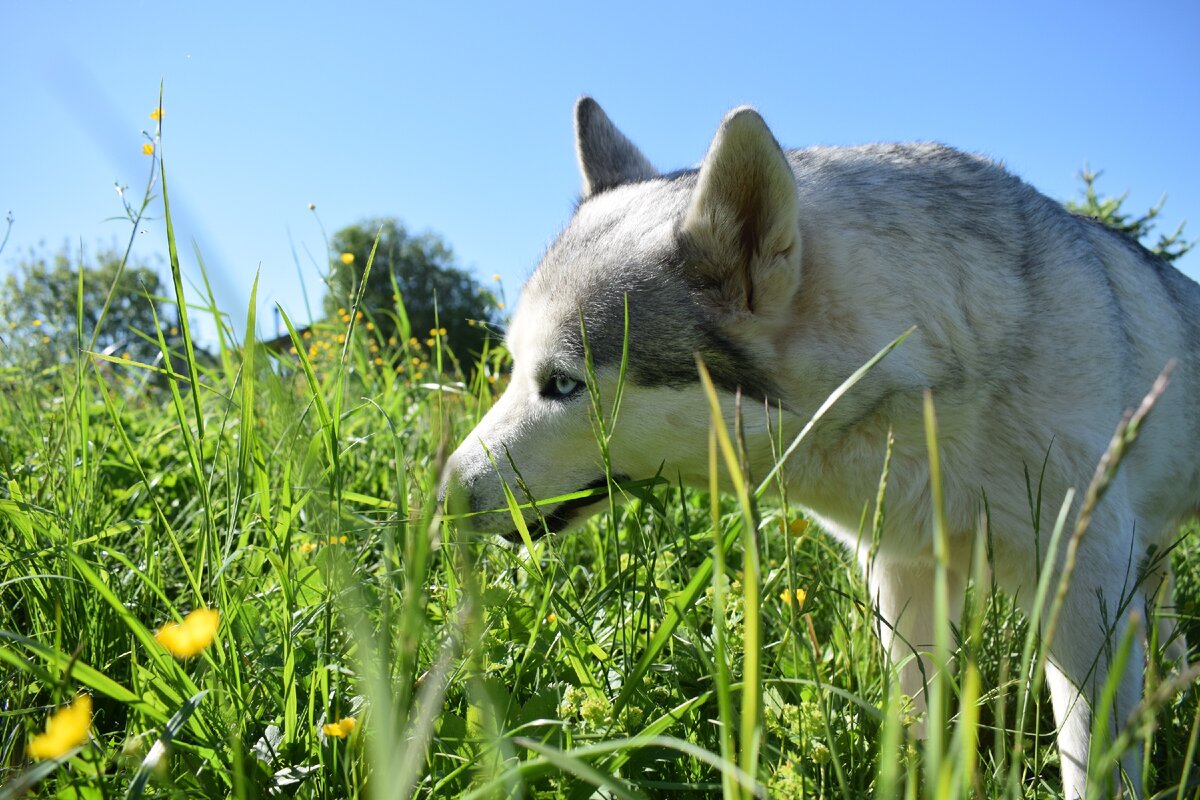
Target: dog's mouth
pixel 565 513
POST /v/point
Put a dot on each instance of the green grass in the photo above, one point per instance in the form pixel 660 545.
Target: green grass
pixel 661 651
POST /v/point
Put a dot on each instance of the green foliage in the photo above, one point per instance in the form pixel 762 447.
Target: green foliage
pixel 1140 228
pixel 421 270
pixel 38 309
pixel 305 516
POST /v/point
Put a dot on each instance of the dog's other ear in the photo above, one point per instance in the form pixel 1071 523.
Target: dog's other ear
pixel 606 157
pixel 742 229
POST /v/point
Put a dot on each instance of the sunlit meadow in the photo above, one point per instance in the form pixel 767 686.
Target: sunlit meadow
pixel 227 576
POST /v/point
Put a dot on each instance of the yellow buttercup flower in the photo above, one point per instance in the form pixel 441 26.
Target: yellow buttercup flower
pixel 37 323
pixel 65 729
pixel 340 729
pixel 187 638
pixel 156 114
pixel 148 149
pixel 795 598
pixel 797 526
pixel 347 258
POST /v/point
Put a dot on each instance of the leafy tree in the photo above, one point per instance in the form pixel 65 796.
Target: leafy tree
pixel 1139 228
pixel 39 304
pixel 422 271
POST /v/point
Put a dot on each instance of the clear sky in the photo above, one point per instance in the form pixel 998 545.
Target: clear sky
pixel 456 117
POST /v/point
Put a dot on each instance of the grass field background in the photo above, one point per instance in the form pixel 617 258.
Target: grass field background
pixel 682 644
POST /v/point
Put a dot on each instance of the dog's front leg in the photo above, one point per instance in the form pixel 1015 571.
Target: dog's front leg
pixel 1092 625
pixel 903 596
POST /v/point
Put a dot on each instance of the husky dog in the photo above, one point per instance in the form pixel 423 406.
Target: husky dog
pixel 785 271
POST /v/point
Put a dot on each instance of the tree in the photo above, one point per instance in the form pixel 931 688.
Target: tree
pixel 39 305
pixel 424 272
pixel 1108 210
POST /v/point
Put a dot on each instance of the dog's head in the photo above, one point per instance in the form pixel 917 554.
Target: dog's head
pixel 652 271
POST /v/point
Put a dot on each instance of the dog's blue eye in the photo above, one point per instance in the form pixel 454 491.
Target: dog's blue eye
pixel 559 386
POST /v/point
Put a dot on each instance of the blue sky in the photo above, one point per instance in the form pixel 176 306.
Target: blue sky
pixel 456 117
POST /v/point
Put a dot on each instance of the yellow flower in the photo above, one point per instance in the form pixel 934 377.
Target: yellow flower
pixel 307 547
pixel 156 114
pixel 341 312
pixel 66 728
pixel 797 526
pixel 174 331
pixel 370 326
pixel 429 342
pixel 187 638
pixel 45 340
pixel 340 729
pixel 127 356
pixel 378 361
pixel 148 149
pixel 37 323
pixel 441 331
pixel 392 340
pixel 795 598
pixel 500 306
pixel 496 277
pixel 337 539
pixel 347 258
pixel 551 618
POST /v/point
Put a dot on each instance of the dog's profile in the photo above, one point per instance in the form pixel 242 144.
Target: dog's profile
pixel 786 271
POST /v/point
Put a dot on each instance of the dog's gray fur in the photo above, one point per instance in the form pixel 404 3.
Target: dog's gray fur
pixel 787 271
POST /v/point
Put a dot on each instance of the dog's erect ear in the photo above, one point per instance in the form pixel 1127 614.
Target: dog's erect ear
pixel 742 227
pixel 606 157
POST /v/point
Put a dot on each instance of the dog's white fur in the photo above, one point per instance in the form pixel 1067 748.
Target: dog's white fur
pixel 786 272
